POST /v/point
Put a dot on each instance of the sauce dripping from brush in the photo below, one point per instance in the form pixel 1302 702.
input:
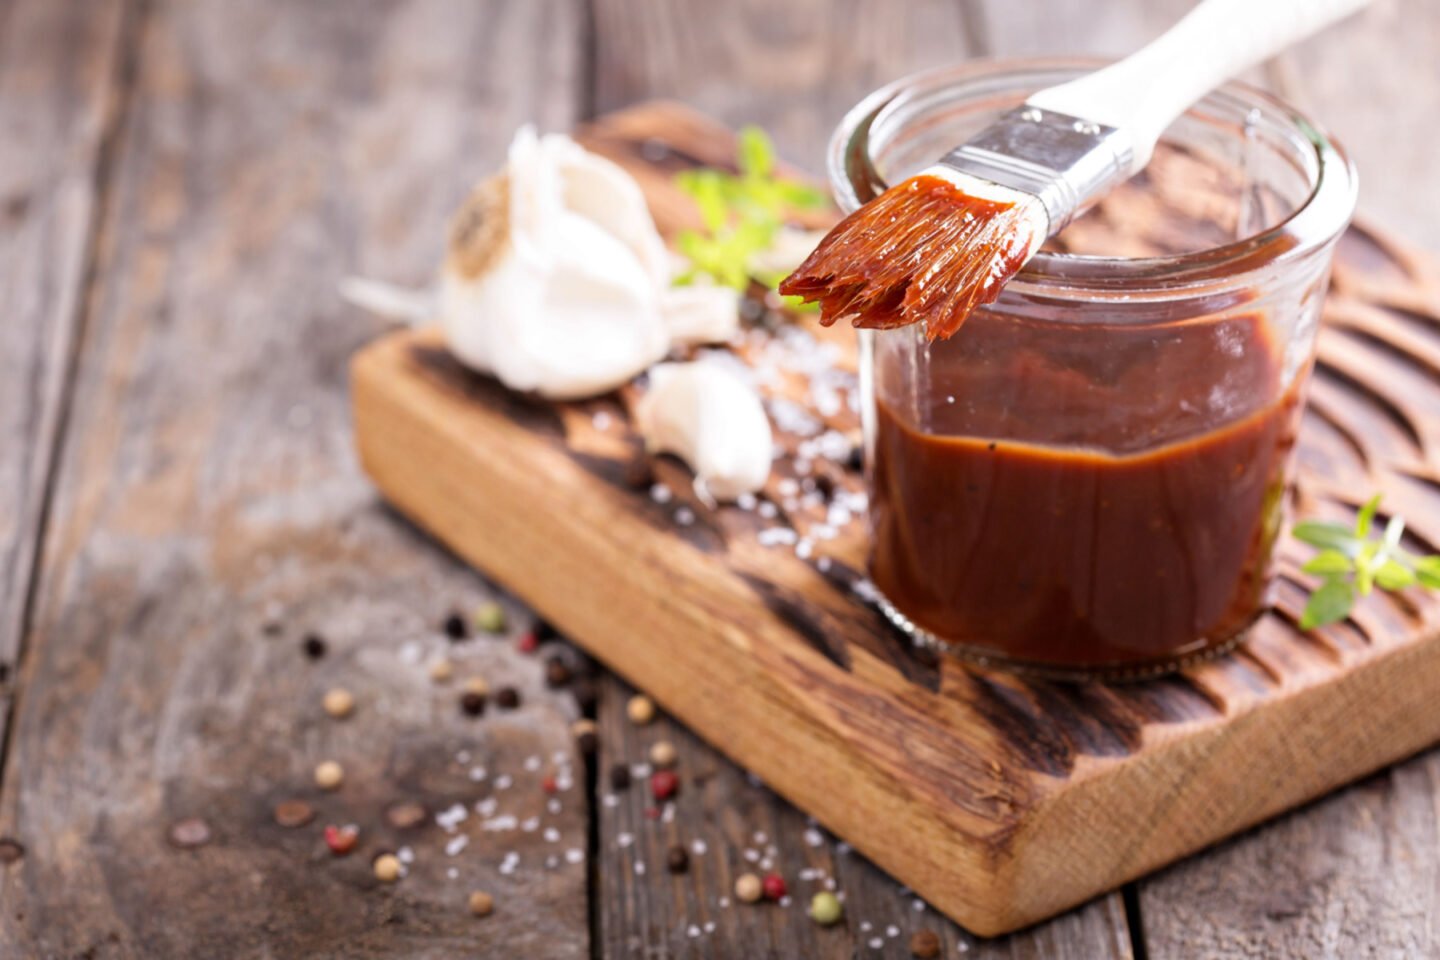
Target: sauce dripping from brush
pixel 924 252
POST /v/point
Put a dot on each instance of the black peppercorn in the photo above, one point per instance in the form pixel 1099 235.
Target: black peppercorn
pixel 856 460
pixel 620 776
pixel 825 486
pixel 472 704
pixel 507 698
pixel 557 672
pixel 676 859
pixel 313 645
pixel 455 627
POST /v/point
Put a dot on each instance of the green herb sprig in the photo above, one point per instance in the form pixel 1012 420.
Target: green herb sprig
pixel 1352 562
pixel 741 212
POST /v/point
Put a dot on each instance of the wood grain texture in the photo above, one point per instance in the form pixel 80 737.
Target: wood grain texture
pixel 59 72
pixel 1007 800
pixel 207 490
pixel 731 824
pixel 794 67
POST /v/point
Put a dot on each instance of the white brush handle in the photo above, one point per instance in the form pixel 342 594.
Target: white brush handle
pixel 1216 40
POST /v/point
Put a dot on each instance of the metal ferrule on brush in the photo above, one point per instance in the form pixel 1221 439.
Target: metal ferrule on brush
pixel 1065 161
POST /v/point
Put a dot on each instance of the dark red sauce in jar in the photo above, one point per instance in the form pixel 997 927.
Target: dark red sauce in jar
pixel 1097 507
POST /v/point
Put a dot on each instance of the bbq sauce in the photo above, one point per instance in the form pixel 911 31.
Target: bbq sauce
pixel 1118 510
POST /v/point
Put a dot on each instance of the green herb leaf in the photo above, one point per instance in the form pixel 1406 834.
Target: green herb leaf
pixel 1329 536
pixel 1331 603
pixel 757 152
pixel 1329 562
pixel 1427 571
pixel 1394 575
pixel 1366 518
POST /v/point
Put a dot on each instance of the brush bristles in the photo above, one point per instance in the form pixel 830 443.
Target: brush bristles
pixel 924 251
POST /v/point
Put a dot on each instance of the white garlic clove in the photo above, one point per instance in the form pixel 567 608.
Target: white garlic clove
pixel 711 419
pixel 701 313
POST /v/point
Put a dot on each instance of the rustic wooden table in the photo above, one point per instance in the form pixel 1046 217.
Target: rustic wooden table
pixel 181 186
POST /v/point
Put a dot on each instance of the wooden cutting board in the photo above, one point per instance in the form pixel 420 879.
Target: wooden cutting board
pixel 1001 800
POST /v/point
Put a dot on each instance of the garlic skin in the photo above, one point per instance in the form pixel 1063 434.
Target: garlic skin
pixel 711 419
pixel 701 313
pixel 553 274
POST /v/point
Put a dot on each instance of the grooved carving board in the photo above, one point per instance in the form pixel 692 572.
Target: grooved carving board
pixel 1002 800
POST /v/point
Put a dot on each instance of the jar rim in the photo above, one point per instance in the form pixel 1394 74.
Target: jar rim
pixel 1314 224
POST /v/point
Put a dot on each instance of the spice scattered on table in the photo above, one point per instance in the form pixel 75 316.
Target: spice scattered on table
pixel 826 908
pixel 925 944
pixel 662 754
pixel 490 617
pixel 620 776
pixel 749 888
pixel 528 642
pixel 481 903
pixel 441 671
pixel 586 738
pixel 387 868
pixel 329 775
pixel 640 709
pixel 189 833
pixel 676 859
pixel 507 698
pixel 339 703
pixel 472 704
pixel 406 815
pixel 664 784
pixel 455 628
pixel 557 672
pixel 477 684
pixel 313 645
pixel 341 840
pixel 293 813
pixel 774 886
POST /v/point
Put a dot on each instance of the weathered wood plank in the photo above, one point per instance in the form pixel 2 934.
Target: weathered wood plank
pixel 59 73
pixel 208 513
pixel 794 67
pixel 729 823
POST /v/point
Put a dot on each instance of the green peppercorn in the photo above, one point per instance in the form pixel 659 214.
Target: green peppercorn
pixel 826 909
pixel 490 617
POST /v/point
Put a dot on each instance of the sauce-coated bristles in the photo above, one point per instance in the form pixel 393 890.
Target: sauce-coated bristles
pixel 924 251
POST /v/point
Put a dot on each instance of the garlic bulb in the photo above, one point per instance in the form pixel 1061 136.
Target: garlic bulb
pixel 711 419
pixel 553 274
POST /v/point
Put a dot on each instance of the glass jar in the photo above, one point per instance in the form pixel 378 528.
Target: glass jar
pixel 1089 478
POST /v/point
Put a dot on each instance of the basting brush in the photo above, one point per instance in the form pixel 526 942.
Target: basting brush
pixel 936 246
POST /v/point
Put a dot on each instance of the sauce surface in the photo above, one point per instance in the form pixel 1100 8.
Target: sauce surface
pixel 1117 510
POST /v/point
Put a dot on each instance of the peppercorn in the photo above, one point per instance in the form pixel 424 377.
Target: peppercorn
pixel 313 645
pixel 189 833
pixel 825 486
pixel 544 630
pixel 329 775
pixel 925 944
pixel 387 868
pixel 640 709
pixel 341 840
pixel 826 908
pixel 549 784
pixel 490 617
pixel 748 888
pixel 477 685
pixel 441 671
pixel 528 642
pixel 774 886
pixel 455 627
pixel 855 460
pixel 586 694
pixel 481 903
pixel 662 754
pixel 293 813
pixel 472 704
pixel 339 703
pixel 663 784
pixel 585 736
pixel 676 859
pixel 557 672
pixel 508 698
pixel 620 777
pixel 405 815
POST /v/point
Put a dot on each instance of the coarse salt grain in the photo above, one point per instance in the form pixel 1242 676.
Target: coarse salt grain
pixel 451 873
pixel 660 493
pixel 451 818
pixel 814 838
pixel 892 931
pixel 866 926
pixel 511 861
pixel 504 781
pixel 478 774
pixel 751 855
pixel 698 848
pixel 552 806
pixel 684 516
pixel 487 807
pixel 406 855
pixel 692 931
pixel 551 835
pixel 709 926
pixel 876 943
pixel 532 763
pixel 639 868
pixel 610 801
pixel 455 844
pixel 918 906
pixel 624 840
pixel 767 510
pixel 530 824
pixel 574 855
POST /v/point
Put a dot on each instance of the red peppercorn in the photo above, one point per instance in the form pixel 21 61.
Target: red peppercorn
pixel 774 886
pixel 528 642
pixel 341 840
pixel 549 785
pixel 663 784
